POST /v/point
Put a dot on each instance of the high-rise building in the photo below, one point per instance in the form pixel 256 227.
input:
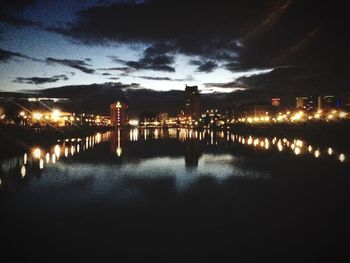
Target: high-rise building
pixel 192 102
pixel 301 102
pixel 329 102
pixel 118 114
pixel 307 103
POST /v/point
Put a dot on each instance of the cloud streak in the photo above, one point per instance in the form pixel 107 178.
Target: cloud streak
pixel 7 56
pixel 204 66
pixel 40 80
pixel 76 64
pixel 157 57
pixel 189 78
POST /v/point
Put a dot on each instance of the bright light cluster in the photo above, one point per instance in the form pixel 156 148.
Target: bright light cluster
pixel 297 116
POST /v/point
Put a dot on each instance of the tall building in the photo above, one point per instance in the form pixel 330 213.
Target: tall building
pixel 118 113
pixel 192 102
pixel 307 103
pixel 329 102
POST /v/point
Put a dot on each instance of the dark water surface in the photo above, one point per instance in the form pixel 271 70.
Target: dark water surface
pixel 177 196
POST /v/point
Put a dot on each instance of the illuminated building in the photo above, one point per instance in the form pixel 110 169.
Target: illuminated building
pixel 301 102
pixel 211 118
pixel 276 102
pixel 192 102
pixel 163 117
pixel 328 102
pixel 118 114
pixel 306 103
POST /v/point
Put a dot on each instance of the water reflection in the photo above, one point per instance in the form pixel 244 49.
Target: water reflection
pixel 183 153
pixel 296 146
pixel 45 157
pixel 193 152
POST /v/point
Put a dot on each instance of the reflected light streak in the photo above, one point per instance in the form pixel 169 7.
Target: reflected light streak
pixel 57 151
pixel 23 171
pixel 41 164
pixel 330 151
pixel 53 158
pixel 280 147
pixel 309 148
pixel 317 153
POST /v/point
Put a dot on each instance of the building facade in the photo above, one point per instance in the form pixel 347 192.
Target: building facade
pixel 329 102
pixel 307 103
pixel 118 114
pixel 192 103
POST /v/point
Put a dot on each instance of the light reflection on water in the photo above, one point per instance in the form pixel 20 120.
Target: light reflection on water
pixel 185 168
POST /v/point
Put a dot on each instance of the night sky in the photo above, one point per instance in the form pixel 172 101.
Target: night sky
pixel 245 47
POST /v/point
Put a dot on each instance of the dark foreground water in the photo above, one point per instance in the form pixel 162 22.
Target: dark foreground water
pixel 176 196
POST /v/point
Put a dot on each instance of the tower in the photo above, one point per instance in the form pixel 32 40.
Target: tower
pixel 192 102
pixel 118 114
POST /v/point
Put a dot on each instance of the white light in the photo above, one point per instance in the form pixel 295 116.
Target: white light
pixel 342 157
pixel 37 115
pixel 23 171
pixel 330 151
pixel 317 153
pixel 37 153
pixel 55 115
pixel 134 122
pixel 41 164
pixel 57 151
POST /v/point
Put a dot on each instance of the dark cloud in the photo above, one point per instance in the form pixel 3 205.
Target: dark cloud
pixel 17 21
pixel 233 84
pixel 240 34
pixel 15 5
pixel 122 69
pixel 10 10
pixel 158 63
pixel 104 92
pixel 6 56
pixel 189 78
pixel 113 78
pixel 211 33
pixel 154 78
pixel 39 80
pixel 204 66
pixel 158 57
pixel 77 64
pixel 116 59
pixel 298 33
pixel 106 74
